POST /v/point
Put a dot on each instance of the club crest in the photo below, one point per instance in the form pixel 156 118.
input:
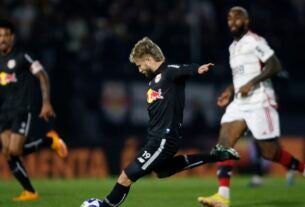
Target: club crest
pixel 11 64
pixel 158 78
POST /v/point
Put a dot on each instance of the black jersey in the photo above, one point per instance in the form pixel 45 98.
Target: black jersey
pixel 165 99
pixel 16 82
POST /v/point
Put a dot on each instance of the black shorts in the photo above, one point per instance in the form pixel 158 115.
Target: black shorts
pixel 18 122
pixel 152 156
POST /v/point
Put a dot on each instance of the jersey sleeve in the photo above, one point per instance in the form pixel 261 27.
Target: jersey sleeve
pixel 262 50
pixel 34 65
pixel 182 71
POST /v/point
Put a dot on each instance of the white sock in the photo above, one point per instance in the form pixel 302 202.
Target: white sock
pixel 224 191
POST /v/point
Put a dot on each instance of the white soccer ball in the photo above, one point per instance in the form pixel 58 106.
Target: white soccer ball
pixel 92 202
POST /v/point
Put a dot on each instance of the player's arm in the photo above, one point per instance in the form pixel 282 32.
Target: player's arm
pixel 226 96
pixel 272 66
pixel 38 71
pixel 47 110
pixel 180 71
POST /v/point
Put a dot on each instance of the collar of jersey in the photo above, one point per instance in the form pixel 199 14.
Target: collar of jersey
pixel 159 70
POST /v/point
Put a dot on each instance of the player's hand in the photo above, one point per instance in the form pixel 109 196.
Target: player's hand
pixel 47 111
pixel 245 89
pixel 205 68
pixel 224 98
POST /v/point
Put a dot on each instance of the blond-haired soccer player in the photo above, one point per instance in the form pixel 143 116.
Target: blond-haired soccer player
pixel 165 103
pixel 253 63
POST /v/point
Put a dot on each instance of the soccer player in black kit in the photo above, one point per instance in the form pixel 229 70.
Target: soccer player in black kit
pixel 165 99
pixel 17 75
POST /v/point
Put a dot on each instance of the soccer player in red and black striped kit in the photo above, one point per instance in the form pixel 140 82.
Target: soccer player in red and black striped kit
pixel 165 104
pixel 17 75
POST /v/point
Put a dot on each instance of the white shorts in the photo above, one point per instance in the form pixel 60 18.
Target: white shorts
pixel 262 122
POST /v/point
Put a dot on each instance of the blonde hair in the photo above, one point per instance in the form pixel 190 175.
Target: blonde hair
pixel 146 46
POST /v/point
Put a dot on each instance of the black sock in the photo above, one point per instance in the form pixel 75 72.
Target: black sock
pixel 116 196
pixel 184 162
pixel 224 173
pixel 258 162
pixel 36 145
pixel 294 164
pixel 258 168
pixel 198 159
pixel 20 173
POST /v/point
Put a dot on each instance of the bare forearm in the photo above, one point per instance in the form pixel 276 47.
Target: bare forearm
pixel 272 67
pixel 44 86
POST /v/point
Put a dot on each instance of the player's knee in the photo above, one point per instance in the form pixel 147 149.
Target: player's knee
pixel 225 140
pixel 163 174
pixel 164 171
pixel 15 151
pixel 268 149
pixel 124 180
pixel 268 154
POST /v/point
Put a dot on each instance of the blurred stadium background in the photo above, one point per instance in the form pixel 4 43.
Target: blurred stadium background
pixel 99 96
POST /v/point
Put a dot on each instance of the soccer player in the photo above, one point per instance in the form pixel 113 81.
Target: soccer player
pixel 17 72
pixel 253 63
pixel 165 103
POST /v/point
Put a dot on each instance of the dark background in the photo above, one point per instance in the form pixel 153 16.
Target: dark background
pixel 99 96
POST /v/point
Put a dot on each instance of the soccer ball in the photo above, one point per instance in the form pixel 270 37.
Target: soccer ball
pixel 92 202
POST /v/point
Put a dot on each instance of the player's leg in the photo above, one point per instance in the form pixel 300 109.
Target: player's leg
pixel 266 130
pixel 258 173
pixel 51 140
pixel 17 168
pixel 185 162
pixel 119 192
pixel 128 176
pixel 232 128
pixel 271 150
pixel 233 125
pixel 230 132
pixel 5 141
pixel 19 130
pixel 11 147
pixel 151 155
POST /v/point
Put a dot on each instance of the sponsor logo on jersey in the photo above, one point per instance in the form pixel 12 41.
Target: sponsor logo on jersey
pixel 238 70
pixel 6 78
pixel 153 95
pixel 260 51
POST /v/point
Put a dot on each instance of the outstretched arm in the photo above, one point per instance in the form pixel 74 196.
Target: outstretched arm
pixel 178 71
pixel 205 68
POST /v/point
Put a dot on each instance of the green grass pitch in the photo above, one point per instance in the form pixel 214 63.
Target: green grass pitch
pixel 150 192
